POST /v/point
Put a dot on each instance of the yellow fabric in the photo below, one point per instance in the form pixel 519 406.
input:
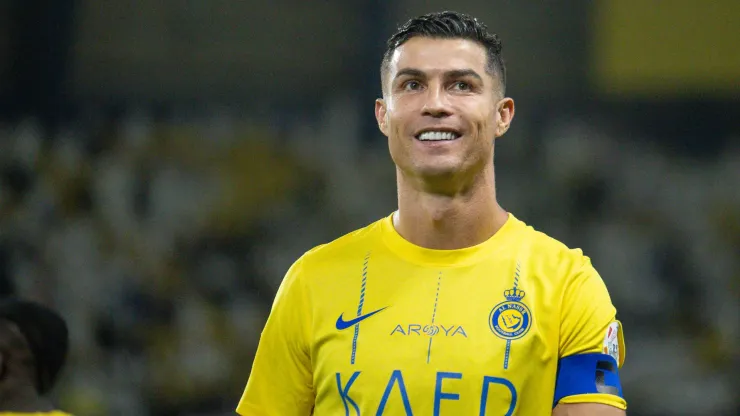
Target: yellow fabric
pixel 596 398
pixel 439 343
pixel 54 413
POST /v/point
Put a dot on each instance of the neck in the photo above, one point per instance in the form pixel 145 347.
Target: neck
pixel 464 215
pixel 22 398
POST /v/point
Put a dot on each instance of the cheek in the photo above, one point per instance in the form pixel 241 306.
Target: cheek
pixel 395 127
pixel 398 120
pixel 487 123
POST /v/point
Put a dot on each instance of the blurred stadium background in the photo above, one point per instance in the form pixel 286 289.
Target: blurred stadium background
pixel 163 162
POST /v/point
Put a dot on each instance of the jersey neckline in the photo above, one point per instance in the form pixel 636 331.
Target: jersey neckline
pixel 445 258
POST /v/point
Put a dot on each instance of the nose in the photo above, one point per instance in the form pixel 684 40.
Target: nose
pixel 436 104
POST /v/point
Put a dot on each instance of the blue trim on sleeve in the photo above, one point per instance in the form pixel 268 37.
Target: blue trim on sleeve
pixel 587 374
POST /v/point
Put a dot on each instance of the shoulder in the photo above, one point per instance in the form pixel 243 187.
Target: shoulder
pixel 347 248
pixel 568 272
pixel 550 255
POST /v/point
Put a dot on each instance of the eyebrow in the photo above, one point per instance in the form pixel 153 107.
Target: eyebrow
pixel 455 73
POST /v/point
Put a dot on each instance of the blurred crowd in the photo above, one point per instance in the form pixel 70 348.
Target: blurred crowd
pixel 162 239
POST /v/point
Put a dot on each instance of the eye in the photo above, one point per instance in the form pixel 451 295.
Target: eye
pixel 461 86
pixel 411 85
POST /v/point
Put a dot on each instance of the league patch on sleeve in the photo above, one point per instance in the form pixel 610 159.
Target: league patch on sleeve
pixel 614 343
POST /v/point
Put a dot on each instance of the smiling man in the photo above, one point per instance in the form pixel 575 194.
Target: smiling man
pixel 450 305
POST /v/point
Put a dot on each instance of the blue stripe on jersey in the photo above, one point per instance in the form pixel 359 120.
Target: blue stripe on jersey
pixel 434 315
pixel 508 341
pixel 359 307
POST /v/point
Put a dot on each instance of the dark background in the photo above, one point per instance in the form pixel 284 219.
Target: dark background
pixel 163 162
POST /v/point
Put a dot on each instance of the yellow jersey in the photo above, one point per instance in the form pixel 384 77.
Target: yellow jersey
pixel 371 324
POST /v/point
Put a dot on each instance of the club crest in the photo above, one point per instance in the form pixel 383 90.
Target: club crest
pixel 511 319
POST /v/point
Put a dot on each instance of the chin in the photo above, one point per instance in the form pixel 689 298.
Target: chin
pixel 438 171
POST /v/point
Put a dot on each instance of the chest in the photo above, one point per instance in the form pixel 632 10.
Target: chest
pixel 421 335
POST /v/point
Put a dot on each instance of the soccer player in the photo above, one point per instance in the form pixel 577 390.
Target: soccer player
pixel 33 349
pixel 450 305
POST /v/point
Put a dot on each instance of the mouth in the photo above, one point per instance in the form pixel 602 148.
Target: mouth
pixel 438 135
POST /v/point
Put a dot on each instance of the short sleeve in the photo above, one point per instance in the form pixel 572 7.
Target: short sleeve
pixel 280 382
pixel 588 326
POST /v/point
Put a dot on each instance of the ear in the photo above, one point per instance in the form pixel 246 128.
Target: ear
pixel 505 114
pixel 380 115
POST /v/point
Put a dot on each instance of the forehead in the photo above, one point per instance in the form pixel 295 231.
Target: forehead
pixel 431 55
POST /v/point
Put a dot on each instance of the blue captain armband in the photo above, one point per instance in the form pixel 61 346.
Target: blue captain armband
pixel 587 374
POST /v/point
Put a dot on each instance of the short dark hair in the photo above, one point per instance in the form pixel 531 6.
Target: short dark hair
pixel 450 25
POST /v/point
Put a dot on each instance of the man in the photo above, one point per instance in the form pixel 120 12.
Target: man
pixel 451 305
pixel 33 348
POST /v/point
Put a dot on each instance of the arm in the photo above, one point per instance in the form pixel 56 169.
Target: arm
pixel 591 347
pixel 587 409
pixel 281 380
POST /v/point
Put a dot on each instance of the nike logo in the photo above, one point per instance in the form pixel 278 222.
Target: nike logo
pixel 342 324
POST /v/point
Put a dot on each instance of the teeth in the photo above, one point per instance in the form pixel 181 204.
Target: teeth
pixel 437 136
